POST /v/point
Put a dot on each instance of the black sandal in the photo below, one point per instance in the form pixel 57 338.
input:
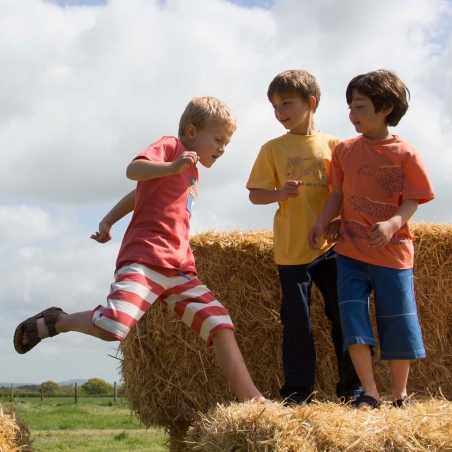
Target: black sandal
pixel 30 326
pixel 364 398
pixel 403 403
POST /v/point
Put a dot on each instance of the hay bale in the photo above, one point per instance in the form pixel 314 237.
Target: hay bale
pixel 252 426
pixel 170 375
pixel 323 427
pixel 14 434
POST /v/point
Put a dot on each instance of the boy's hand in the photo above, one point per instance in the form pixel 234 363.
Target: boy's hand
pixel 184 161
pixel 331 233
pixel 314 235
pixel 290 190
pixel 380 234
pixel 104 235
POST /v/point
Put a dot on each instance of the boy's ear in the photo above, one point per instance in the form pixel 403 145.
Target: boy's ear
pixel 386 110
pixel 190 131
pixel 312 102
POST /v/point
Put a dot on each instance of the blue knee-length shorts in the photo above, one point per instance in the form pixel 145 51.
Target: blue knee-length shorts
pixel 398 326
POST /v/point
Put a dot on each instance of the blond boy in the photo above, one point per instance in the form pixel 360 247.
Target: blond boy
pixel 155 260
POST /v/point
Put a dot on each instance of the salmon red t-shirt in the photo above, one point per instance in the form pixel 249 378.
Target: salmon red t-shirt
pixel 376 177
pixel 158 233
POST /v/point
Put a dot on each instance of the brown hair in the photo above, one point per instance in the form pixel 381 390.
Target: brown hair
pixel 202 111
pixel 385 89
pixel 296 81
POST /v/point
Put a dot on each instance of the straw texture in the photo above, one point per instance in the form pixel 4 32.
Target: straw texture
pixel 170 375
pixel 14 434
pixel 323 427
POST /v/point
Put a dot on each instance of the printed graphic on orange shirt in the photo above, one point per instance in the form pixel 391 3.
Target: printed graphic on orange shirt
pixel 388 177
pixel 380 210
pixel 299 167
pixel 357 230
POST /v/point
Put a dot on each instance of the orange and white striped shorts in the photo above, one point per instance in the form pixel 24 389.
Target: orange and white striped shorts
pixel 137 287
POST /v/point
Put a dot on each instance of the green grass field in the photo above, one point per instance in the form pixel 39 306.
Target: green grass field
pixel 91 425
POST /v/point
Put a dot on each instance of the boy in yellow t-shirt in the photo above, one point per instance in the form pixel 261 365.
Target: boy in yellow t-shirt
pixel 292 170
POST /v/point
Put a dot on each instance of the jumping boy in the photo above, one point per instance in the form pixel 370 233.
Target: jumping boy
pixel 378 181
pixel 292 170
pixel 155 260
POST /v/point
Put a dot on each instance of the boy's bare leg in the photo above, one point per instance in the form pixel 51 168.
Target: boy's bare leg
pixel 79 321
pixel 362 360
pixel 231 362
pixel 400 370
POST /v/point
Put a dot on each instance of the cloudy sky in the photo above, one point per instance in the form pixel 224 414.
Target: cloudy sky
pixel 86 85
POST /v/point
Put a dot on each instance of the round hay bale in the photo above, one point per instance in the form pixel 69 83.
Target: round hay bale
pixel 170 375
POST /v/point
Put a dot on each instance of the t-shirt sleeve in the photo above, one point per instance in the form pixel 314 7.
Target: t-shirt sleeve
pixel 263 174
pixel 336 174
pixel 159 152
pixel 416 182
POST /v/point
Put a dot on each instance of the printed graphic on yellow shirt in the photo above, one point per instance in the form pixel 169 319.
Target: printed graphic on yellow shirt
pixel 299 167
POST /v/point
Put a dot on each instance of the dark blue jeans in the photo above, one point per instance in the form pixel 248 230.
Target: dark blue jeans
pixel 298 343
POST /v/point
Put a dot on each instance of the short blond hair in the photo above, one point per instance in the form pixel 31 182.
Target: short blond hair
pixel 295 81
pixel 202 111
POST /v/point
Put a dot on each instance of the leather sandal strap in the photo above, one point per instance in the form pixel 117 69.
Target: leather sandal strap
pixel 50 317
pixel 371 401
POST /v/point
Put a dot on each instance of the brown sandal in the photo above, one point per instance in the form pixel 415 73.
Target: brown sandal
pixel 30 326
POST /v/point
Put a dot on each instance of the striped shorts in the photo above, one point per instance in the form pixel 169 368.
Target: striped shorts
pixel 137 287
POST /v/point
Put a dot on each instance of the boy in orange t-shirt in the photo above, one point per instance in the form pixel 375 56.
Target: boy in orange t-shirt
pixel 378 181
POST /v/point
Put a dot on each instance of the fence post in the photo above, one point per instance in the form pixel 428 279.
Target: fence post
pixel 115 393
pixel 42 392
pixel 75 392
pixel 12 390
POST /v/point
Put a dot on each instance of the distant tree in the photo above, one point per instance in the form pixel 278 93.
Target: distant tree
pixel 32 388
pixel 97 386
pixel 51 388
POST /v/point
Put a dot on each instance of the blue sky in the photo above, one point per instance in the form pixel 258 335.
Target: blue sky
pixel 265 4
pixel 83 90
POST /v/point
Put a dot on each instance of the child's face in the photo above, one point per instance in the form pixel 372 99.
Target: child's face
pixel 210 143
pixel 370 124
pixel 292 112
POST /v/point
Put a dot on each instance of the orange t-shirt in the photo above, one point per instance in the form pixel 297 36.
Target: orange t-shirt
pixel 158 233
pixel 376 177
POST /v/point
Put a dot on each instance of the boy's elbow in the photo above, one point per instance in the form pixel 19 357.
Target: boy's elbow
pixel 252 197
pixel 131 173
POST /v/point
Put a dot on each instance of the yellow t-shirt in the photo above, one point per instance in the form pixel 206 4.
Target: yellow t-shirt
pixel 295 157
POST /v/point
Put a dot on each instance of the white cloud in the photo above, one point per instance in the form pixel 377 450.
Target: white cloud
pixel 25 224
pixel 84 89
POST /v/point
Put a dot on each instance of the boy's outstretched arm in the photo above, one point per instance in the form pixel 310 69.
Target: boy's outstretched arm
pixel 330 212
pixel 120 210
pixel 381 232
pixel 143 169
pixel 260 196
